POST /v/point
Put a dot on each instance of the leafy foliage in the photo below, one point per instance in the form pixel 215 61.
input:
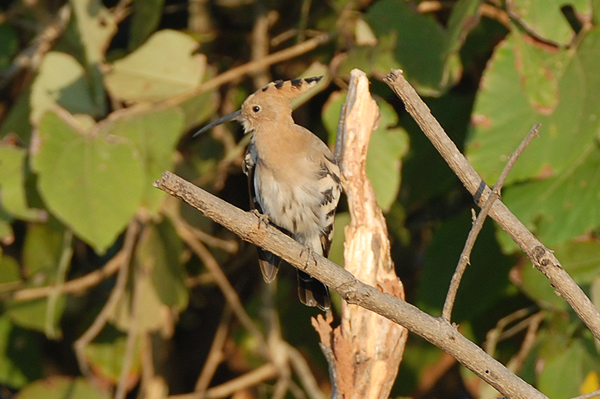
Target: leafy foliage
pixel 110 104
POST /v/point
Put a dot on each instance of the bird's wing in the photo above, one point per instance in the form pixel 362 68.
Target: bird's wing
pixel 269 262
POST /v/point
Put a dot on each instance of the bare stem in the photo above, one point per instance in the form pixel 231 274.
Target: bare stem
pixel 465 256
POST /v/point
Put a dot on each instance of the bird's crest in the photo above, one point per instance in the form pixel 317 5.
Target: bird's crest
pixel 289 89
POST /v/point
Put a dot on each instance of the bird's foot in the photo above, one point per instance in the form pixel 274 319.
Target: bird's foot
pixel 311 255
pixel 262 218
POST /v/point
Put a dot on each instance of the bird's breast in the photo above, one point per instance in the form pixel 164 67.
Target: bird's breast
pixel 291 199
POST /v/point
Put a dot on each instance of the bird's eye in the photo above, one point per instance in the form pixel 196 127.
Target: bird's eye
pixel 256 108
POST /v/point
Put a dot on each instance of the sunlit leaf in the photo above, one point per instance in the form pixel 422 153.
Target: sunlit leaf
pixel 163 67
pixel 560 207
pixel 563 374
pixel 92 182
pixel 503 112
pixel 154 133
pixel 61 81
pixel 12 184
pixel 547 19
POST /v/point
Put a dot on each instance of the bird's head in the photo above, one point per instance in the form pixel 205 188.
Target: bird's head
pixel 266 106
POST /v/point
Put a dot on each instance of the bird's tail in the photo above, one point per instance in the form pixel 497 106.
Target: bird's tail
pixel 312 292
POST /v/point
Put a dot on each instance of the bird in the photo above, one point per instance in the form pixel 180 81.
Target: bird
pixel 293 178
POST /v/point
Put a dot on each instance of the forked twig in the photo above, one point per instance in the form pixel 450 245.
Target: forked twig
pixel 111 303
pixel 465 256
pixel 215 354
pixel 541 257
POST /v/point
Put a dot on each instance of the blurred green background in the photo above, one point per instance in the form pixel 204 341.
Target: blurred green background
pixel 99 97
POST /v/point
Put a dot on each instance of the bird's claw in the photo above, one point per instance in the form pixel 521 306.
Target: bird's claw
pixel 262 218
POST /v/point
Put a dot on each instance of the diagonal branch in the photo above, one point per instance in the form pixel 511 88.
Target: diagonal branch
pixel 439 332
pixel 541 257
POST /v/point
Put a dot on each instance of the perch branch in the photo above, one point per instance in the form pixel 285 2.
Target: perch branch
pixel 439 332
pixel 465 256
pixel 541 257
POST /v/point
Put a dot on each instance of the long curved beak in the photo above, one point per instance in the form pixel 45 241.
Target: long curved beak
pixel 231 117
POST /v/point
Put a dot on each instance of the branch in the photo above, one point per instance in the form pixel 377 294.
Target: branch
pixel 438 332
pixel 253 66
pixel 541 257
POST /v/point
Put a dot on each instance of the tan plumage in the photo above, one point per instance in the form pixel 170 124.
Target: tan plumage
pixel 293 178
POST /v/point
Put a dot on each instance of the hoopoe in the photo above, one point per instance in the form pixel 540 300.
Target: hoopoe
pixel 292 177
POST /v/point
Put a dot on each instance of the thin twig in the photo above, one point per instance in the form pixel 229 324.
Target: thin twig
pixel 353 291
pixel 303 372
pixel 230 246
pixel 263 373
pixel 465 256
pixel 63 267
pixel 31 56
pixel 225 286
pixel 215 354
pixel 111 303
pixel 541 257
pixel 493 336
pixel 533 325
pixel 254 66
pixel 132 333
pixel 78 285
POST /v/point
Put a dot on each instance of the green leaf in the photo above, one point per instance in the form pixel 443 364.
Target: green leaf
pixel 95 26
pixel 198 109
pixel 546 18
pixel 503 112
pixel 61 387
pixel 9 45
pixel 12 184
pixel 159 252
pixel 561 207
pixel 9 270
pixel 105 354
pixel 564 373
pixel 154 134
pixel 464 17
pixel 163 67
pixel 420 42
pixel 336 252
pixel 62 81
pixel 537 287
pixel 538 81
pixel 386 148
pixel 145 18
pixel 485 281
pixel 42 250
pixel 16 121
pixel 38 314
pixel 20 357
pixel 92 182
pixel 580 259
